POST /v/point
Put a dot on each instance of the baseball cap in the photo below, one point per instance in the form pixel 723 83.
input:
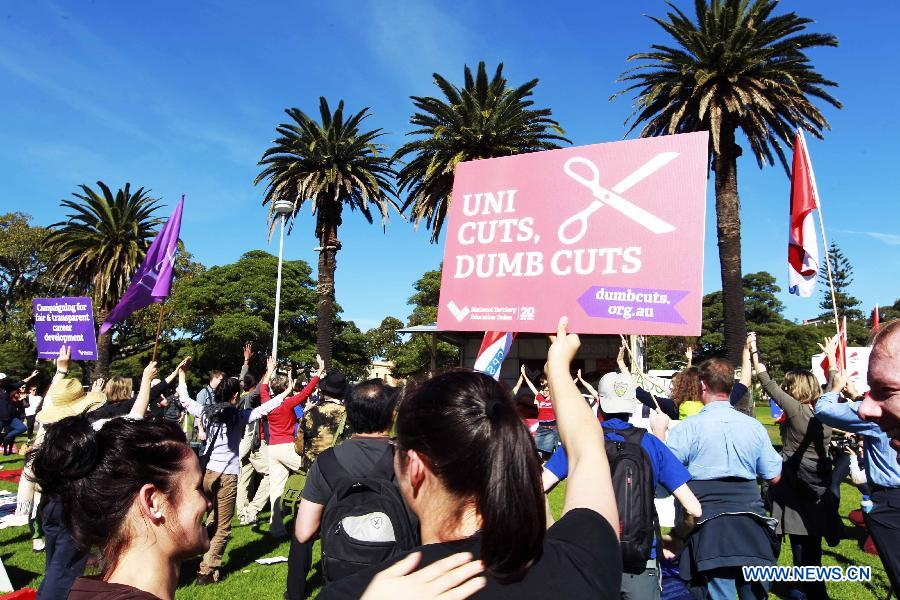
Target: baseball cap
pixel 617 393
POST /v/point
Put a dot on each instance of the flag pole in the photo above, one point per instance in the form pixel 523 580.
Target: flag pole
pixel 158 329
pixel 837 323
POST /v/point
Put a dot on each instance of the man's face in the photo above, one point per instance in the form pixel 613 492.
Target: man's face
pixel 882 405
pixel 215 381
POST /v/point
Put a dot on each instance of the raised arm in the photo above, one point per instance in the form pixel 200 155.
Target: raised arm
pixel 303 394
pixel 746 377
pixel 689 355
pixel 519 381
pixel 620 359
pixel 139 408
pixel 590 389
pixel 781 398
pixel 194 408
pixel 589 485
pixel 248 354
pixel 530 385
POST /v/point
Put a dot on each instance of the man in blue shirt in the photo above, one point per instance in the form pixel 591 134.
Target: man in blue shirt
pixel 882 470
pixel 725 451
pixel 617 403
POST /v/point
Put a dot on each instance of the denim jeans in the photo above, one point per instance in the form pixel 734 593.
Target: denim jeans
pixel 546 439
pixel 65 560
pixel 16 428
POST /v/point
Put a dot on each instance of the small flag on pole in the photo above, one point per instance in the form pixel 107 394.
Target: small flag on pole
pixel 494 348
pixel 876 319
pixel 803 247
pixel 153 280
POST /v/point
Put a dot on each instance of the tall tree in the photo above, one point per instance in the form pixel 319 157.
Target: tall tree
pixel 735 67
pixel 329 164
pixel 842 276
pixel 23 260
pixel 483 119
pixel 100 246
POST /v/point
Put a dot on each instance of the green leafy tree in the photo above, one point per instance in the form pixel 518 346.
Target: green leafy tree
pixel 227 306
pixel 483 119
pixel 99 246
pixel 329 164
pixel 415 356
pixel 842 276
pixel 384 341
pixel 23 261
pixel 735 67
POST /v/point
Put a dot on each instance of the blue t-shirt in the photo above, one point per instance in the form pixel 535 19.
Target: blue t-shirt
pixel 667 469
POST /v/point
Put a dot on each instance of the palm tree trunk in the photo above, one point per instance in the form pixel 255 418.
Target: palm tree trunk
pixel 104 348
pixel 728 226
pixel 325 292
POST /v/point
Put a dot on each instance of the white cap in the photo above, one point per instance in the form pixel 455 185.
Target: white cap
pixel 617 393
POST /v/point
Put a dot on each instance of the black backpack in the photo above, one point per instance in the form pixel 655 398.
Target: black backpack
pixel 632 478
pixel 365 522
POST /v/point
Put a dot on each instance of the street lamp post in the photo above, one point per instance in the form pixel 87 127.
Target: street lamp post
pixel 283 208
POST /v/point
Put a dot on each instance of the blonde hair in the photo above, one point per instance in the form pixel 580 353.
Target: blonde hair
pixel 118 389
pixel 802 386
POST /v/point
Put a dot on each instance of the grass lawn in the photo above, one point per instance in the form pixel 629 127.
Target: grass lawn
pixel 246 579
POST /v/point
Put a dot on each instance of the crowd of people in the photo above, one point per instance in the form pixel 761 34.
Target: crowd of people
pixel 440 489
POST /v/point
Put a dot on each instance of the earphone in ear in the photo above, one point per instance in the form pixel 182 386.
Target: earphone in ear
pixel 158 515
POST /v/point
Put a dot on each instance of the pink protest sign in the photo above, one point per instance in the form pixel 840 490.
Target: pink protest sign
pixel 610 235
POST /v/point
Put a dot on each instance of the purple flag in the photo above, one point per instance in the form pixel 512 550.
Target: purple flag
pixel 153 281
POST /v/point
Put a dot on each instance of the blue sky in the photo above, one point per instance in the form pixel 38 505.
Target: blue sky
pixel 183 97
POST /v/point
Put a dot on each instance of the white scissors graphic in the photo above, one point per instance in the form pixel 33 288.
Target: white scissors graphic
pixel 612 198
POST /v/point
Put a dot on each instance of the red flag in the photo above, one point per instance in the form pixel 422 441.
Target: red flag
pixel 803 246
pixel 876 320
pixel 840 353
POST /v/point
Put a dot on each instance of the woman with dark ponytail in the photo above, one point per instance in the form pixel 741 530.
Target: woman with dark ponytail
pixel 132 489
pixel 467 467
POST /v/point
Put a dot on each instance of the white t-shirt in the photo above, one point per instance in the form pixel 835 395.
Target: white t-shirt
pixel 33 403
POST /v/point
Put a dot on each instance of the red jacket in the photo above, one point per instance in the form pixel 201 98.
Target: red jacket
pixel 282 420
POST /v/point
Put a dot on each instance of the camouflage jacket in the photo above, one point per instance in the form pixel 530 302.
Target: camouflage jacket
pixel 323 426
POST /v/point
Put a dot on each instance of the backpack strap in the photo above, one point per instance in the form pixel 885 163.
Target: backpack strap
pixel 340 430
pixel 330 468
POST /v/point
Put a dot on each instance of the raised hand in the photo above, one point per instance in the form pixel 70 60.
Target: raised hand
pixel 98 384
pixel 150 371
pixel 578 375
pixel 830 349
pixel 689 354
pixel 185 363
pixel 271 365
pixel 64 359
pixel 563 346
pixel 320 365
pixel 248 352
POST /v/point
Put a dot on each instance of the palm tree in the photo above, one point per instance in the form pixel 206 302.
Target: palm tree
pixel 484 119
pixel 329 165
pixel 100 246
pixel 737 67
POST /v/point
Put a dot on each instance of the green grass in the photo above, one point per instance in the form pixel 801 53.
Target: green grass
pixel 246 579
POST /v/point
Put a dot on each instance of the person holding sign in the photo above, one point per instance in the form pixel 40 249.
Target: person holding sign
pixel 467 469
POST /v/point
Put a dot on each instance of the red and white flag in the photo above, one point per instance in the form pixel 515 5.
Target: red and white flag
pixel 803 246
pixel 876 319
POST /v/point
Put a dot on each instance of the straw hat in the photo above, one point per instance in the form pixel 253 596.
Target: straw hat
pixel 66 398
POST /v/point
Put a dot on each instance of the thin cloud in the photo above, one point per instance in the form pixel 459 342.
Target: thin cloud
pixel 891 239
pixel 416 39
